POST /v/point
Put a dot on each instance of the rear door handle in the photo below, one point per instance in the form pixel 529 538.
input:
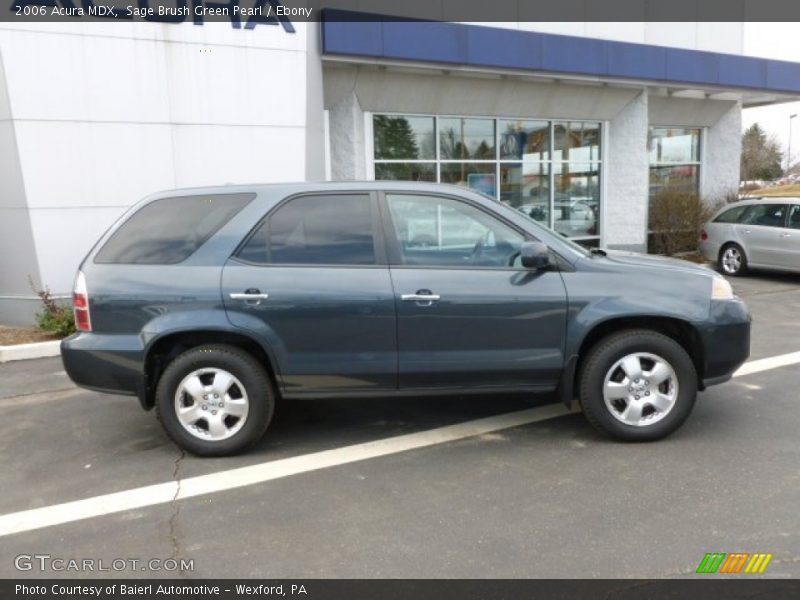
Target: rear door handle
pixel 421 297
pixel 251 295
pixel 785 235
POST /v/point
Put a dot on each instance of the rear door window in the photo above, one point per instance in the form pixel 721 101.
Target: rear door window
pixel 768 215
pixel 335 229
pixel 170 230
pixel 794 216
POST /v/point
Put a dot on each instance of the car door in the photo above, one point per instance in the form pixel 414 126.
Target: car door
pixel 467 317
pixel 313 283
pixel 789 256
pixel 760 230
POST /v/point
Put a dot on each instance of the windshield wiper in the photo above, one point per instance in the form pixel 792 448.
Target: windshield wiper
pixel 598 252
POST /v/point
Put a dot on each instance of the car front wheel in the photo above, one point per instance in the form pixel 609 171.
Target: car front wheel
pixel 637 385
pixel 215 400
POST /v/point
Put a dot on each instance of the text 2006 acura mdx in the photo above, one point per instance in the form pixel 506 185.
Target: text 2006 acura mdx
pixel 211 303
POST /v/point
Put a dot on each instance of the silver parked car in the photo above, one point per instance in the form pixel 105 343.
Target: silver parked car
pixel 762 233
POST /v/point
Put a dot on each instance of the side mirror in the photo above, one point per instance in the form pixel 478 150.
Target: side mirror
pixel 534 255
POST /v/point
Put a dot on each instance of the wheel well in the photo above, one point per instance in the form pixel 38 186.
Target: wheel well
pixel 680 331
pixel 168 347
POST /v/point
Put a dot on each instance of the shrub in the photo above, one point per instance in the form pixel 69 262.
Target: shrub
pixel 55 317
pixel 676 219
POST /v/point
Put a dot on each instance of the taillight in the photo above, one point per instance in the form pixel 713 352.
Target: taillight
pixel 703 235
pixel 80 304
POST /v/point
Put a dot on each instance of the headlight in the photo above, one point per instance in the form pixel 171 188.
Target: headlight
pixel 721 289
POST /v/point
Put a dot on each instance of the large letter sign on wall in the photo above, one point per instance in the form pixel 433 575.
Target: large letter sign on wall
pixel 255 12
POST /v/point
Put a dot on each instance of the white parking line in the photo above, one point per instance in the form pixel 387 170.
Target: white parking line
pixel 57 514
pixel 162 493
pixel 765 364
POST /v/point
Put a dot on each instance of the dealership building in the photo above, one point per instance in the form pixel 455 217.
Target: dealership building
pixel 577 124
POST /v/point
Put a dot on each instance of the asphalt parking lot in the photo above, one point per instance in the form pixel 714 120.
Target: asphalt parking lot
pixel 549 498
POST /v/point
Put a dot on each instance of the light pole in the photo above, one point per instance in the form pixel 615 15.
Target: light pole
pixel 789 150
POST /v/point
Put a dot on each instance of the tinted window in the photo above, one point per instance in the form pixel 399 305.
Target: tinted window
pixel 444 232
pixel 732 215
pixel 794 216
pixel 168 231
pixel 315 230
pixel 769 215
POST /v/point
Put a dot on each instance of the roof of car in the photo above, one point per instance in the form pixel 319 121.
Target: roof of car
pixel 309 186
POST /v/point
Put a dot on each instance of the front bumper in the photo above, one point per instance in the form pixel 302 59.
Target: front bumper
pixel 105 363
pixel 726 340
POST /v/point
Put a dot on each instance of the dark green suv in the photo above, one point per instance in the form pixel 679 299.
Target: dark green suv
pixel 210 304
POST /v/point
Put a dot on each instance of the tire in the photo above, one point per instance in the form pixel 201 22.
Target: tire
pixel 606 367
pixel 732 260
pixel 210 425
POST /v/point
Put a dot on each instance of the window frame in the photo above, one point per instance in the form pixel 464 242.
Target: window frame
pixel 378 235
pixel 438 161
pixel 393 246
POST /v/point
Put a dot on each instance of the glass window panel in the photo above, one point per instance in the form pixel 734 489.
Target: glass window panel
pixel 794 217
pixel 322 230
pixel 731 215
pixel 466 138
pixel 476 176
pixel 674 145
pixel 576 198
pixel 768 215
pixel 680 177
pixel 169 230
pixel 405 171
pixel 403 137
pixel 576 141
pixel 526 187
pixel 443 232
pixel 524 140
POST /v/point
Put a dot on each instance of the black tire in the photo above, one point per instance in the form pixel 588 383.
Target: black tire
pixel 603 357
pixel 250 373
pixel 729 270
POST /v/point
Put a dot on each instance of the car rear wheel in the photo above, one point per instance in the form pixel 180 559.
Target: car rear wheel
pixel 732 260
pixel 215 400
pixel 637 385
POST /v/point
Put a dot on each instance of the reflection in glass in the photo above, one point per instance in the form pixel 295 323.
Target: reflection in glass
pixel 405 171
pixel 683 178
pixel 477 176
pixel 524 140
pixel 674 145
pixel 576 198
pixel 526 187
pixel 576 141
pixel 466 138
pixel 400 137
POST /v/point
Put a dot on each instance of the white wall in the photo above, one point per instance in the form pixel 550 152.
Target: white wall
pixel 100 114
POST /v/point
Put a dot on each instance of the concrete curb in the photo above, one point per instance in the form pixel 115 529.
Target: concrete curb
pixel 26 351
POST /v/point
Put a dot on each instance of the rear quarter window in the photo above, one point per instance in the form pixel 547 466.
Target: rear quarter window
pixel 732 215
pixel 170 230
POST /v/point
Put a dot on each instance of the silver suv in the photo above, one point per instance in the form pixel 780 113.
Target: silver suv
pixel 762 233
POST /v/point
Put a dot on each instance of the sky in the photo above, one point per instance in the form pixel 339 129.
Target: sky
pixel 779 41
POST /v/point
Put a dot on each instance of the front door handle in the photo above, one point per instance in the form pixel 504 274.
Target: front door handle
pixel 421 297
pixel 785 235
pixel 251 296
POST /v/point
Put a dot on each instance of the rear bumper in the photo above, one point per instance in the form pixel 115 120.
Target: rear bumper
pixel 112 364
pixel 726 340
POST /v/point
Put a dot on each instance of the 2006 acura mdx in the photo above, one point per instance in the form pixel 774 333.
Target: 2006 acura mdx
pixel 211 303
